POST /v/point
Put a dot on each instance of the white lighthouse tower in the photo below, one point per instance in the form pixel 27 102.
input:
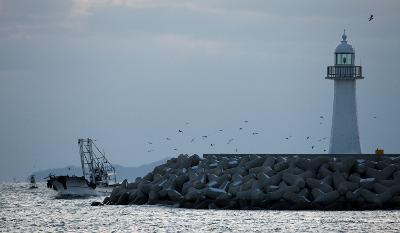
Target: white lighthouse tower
pixel 344 132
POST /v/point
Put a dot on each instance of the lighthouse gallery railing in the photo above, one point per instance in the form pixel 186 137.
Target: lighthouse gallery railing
pixel 344 72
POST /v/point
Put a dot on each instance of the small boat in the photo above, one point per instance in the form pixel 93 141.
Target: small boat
pixel 98 178
pixel 33 182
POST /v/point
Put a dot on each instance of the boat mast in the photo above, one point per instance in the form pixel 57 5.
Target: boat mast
pixel 95 165
pixel 86 153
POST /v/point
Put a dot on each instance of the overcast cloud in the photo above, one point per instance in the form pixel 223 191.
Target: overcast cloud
pixel 131 71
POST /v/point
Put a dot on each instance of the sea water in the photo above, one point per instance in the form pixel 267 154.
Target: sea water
pixel 34 210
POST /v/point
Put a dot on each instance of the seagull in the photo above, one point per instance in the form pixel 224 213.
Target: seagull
pixel 371 18
pixel 229 141
pixel 322 117
pixel 308 137
pixel 180 131
pixel 254 133
pixel 204 137
pixel 240 128
pixel 220 130
pixel 321 139
pixel 286 138
pixel 246 121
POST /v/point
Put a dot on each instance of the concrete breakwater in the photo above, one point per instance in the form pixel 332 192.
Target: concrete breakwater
pixel 291 182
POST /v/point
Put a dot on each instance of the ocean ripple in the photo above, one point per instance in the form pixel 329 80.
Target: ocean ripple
pixel 26 210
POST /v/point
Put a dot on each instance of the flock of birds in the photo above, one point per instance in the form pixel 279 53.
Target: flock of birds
pixel 203 137
pixel 254 133
pixel 229 141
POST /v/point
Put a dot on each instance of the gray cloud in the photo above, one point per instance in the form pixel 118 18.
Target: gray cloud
pixel 127 72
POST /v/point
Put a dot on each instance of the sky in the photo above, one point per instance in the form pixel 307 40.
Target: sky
pixel 129 72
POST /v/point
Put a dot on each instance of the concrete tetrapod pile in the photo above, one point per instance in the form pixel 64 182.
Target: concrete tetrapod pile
pixel 326 182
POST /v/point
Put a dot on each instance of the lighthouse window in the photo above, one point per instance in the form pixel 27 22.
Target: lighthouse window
pixel 343 59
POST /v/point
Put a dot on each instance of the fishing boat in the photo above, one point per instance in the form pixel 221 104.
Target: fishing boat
pixel 98 175
pixel 33 182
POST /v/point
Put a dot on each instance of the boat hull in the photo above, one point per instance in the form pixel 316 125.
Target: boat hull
pixel 73 186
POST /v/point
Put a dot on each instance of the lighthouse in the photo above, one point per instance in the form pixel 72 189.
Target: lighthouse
pixel 344 133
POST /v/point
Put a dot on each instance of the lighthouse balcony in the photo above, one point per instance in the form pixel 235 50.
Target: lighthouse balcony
pixel 344 72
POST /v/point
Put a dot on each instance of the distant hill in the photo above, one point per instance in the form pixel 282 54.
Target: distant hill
pixel 129 173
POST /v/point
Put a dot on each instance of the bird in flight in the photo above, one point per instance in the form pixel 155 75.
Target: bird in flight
pixel 220 130
pixel 371 18
pixel 374 117
pixel 150 150
pixel 246 121
pixel 192 140
pixel 229 141
pixel 211 144
pixel 308 137
pixel 204 137
pixel 180 131
pixel 254 133
pixel 312 147
pixel 240 128
pixel 150 143
pixel 186 123
pixel 324 150
pixel 175 149
pixel 322 117
pixel 168 139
